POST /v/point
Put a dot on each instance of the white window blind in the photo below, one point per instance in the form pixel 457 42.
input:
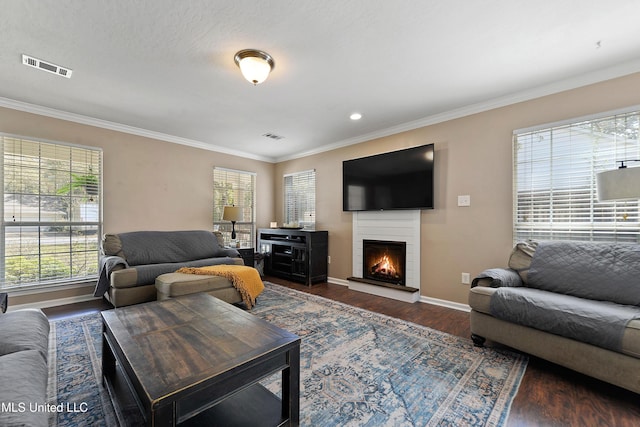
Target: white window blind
pixel 52 214
pixel 235 188
pixel 300 198
pixel 554 180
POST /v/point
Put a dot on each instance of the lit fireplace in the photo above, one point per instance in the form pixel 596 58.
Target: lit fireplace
pixel 384 261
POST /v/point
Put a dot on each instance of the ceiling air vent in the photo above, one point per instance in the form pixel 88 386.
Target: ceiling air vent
pixel 272 136
pixel 46 66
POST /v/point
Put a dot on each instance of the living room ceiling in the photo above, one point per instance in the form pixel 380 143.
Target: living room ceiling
pixel 165 69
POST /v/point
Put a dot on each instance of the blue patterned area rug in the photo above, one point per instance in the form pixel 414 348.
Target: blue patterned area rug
pixel 75 374
pixel 358 368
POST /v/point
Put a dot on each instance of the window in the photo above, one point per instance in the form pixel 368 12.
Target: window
pixel 300 198
pixel 52 214
pixel 554 180
pixel 235 188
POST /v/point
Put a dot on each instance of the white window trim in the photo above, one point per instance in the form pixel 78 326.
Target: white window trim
pixel 226 224
pixel 589 230
pixel 64 283
pixel 300 221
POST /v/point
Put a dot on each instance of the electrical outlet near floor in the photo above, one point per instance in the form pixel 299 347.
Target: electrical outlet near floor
pixel 466 279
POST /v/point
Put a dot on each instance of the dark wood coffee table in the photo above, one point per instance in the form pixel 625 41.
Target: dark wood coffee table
pixel 197 360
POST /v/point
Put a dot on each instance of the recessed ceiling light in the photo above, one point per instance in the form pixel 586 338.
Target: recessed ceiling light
pixel 355 116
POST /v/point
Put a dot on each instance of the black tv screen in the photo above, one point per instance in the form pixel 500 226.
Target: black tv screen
pixel 397 180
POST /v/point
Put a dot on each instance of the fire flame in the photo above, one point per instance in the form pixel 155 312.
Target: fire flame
pixel 384 266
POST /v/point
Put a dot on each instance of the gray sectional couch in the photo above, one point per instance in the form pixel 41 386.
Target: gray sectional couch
pixel 131 262
pixel 576 304
pixel 24 343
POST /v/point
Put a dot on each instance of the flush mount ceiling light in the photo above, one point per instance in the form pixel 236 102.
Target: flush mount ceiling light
pixel 255 65
pixel 355 116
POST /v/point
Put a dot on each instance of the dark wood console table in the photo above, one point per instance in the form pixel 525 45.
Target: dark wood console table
pixel 298 255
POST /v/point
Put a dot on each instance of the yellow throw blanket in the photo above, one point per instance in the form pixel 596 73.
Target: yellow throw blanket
pixel 245 279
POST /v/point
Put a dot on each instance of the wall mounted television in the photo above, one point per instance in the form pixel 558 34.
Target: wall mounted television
pixel 400 179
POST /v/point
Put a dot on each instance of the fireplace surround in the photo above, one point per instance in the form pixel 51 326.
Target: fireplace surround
pixel 397 226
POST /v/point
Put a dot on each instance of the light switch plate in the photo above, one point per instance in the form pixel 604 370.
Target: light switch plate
pixel 464 200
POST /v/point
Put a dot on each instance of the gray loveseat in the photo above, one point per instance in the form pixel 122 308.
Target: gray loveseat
pixel 131 262
pixel 24 343
pixel 576 304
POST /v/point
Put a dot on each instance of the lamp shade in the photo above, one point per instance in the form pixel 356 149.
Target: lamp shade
pixel 231 213
pixel 618 184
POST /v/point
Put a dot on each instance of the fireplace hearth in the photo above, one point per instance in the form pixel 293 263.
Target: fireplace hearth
pixel 384 261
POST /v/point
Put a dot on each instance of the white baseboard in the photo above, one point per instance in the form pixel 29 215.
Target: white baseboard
pixel 445 303
pixel 335 281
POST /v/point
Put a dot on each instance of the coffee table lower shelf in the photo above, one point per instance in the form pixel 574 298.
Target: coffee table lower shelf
pixel 253 406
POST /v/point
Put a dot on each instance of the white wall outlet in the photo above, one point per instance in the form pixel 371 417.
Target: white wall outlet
pixel 329 259
pixel 464 200
pixel 465 279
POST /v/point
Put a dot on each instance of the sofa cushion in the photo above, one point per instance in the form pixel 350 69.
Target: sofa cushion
pixel 480 301
pixel 601 323
pixel 146 274
pixel 520 258
pixel 178 284
pixel 604 272
pixel 111 245
pixel 26 329
pixel 24 379
pixel 155 247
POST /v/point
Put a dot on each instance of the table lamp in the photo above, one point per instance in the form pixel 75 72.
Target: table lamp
pixel 233 214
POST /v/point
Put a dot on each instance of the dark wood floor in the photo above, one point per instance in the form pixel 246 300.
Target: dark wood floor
pixel 548 396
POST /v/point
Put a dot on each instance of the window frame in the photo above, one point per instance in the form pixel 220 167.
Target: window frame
pixel 225 227
pixel 586 219
pixel 51 232
pixel 295 210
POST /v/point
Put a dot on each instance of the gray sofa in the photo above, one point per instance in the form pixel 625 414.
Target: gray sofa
pixel 576 304
pixel 131 262
pixel 24 343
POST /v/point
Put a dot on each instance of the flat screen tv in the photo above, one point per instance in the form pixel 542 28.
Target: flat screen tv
pixel 396 180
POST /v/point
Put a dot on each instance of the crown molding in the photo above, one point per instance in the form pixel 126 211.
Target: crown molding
pixel 105 124
pixel 538 92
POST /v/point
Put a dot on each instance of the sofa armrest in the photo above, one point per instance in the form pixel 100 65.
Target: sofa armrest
pixel 108 264
pixel 497 277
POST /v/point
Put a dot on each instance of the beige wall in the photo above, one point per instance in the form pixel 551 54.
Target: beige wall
pixel 148 184
pixel 473 156
pixel 151 184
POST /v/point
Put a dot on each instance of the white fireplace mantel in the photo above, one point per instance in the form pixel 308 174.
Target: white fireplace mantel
pixel 402 226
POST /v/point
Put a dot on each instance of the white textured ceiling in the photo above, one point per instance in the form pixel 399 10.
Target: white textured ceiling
pixel 165 68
